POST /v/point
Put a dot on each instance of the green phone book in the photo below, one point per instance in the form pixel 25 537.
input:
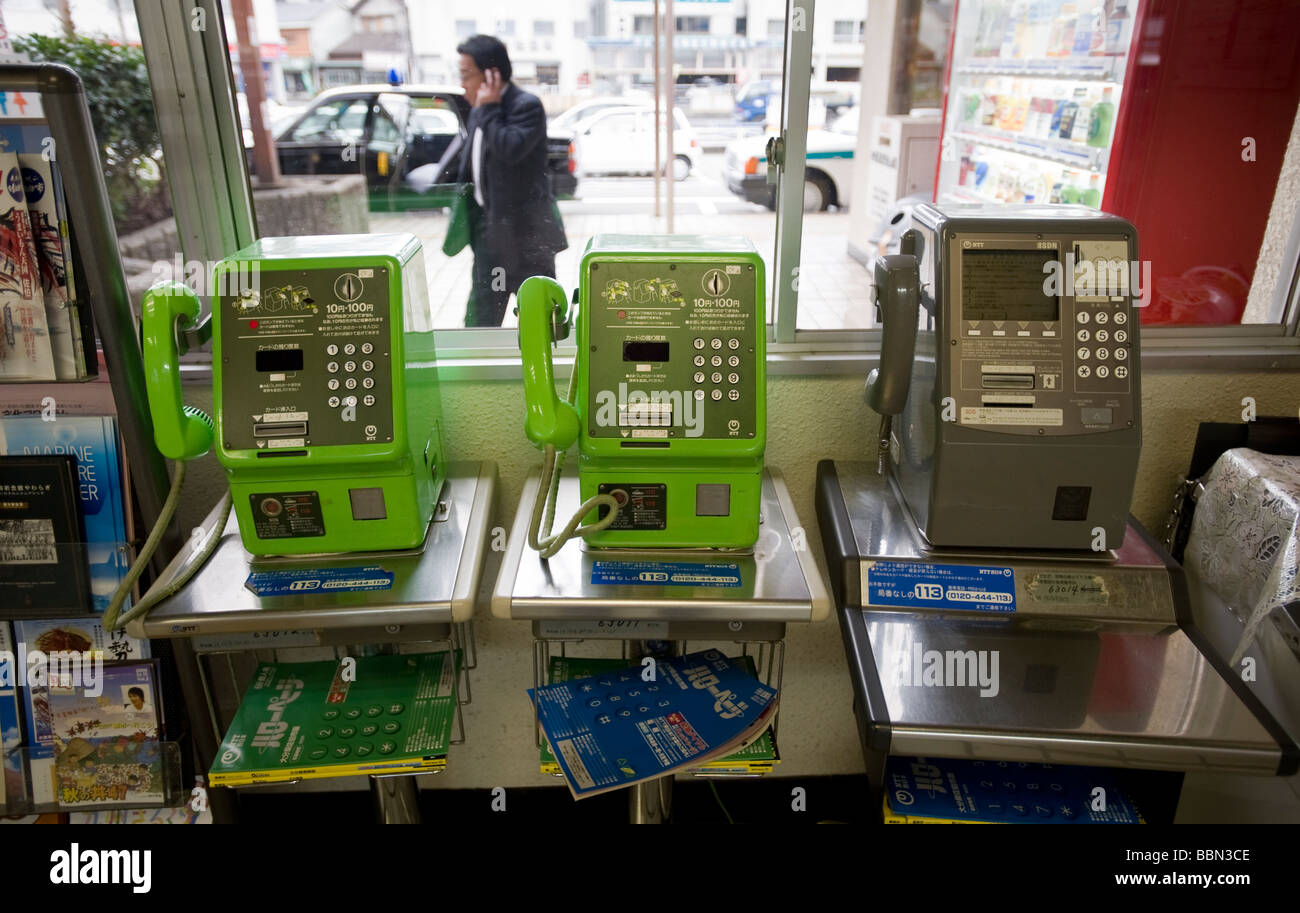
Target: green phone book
pixel 302 721
pixel 758 757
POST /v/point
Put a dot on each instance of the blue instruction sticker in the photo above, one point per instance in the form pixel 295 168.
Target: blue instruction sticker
pixel 664 573
pixel 917 585
pixel 321 580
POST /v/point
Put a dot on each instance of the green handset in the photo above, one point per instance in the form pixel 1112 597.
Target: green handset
pixel 181 432
pixel 542 308
pixel 666 401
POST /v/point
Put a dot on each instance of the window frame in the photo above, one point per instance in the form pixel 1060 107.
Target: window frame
pixel 492 353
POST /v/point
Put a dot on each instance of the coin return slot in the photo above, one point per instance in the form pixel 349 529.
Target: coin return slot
pixel 280 429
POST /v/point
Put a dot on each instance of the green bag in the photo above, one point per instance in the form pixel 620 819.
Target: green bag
pixel 458 222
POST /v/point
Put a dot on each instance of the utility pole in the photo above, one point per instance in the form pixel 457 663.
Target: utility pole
pixel 65 19
pixel 266 163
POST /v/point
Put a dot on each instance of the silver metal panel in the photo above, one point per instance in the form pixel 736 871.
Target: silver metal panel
pixel 775 585
pixel 1112 684
pixel 1135 585
pixel 1134 699
pixel 429 586
pixel 1276 670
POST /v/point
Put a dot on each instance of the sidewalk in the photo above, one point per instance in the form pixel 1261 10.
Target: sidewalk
pixel 834 289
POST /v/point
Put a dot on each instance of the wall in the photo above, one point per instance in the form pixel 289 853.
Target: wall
pixel 810 418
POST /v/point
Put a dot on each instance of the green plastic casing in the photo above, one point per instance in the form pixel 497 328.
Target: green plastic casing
pixel 682 293
pixel 285 311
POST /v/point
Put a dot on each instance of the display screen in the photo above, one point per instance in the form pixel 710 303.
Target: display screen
pixel 279 360
pixel 1008 285
pixel 645 351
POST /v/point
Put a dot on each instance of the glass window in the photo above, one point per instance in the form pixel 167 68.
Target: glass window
pixel 848 203
pixel 595 154
pixel 505 28
pixel 1120 123
pixel 465 27
pixel 340 121
pixel 776 28
pixel 692 23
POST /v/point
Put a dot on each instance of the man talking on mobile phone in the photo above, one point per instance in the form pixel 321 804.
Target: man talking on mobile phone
pixel 515 228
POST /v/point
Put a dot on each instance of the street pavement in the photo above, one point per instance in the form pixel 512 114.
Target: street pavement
pixel 833 288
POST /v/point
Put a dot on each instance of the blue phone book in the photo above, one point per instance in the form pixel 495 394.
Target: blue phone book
pixel 92 439
pixel 616 729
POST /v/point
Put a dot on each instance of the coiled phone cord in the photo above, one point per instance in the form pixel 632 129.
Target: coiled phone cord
pixel 539 527
pixel 158 594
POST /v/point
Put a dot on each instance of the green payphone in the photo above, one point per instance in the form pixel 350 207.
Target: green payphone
pixel 667 400
pixel 327 414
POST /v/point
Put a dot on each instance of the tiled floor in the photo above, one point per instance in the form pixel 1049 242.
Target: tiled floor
pixel 833 288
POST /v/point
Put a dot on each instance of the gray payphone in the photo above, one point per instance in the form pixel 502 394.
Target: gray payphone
pixel 1010 360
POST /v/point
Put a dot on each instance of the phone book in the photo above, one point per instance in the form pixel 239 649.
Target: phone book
pixel 93 440
pixel 364 715
pixel 42 538
pixel 26 350
pixel 616 729
pixel 962 791
pixel 108 744
pixel 758 757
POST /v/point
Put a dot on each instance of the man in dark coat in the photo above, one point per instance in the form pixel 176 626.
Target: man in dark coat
pixel 515 224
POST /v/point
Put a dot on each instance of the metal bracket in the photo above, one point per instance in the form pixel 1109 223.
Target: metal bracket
pixel 775 155
pixel 194 337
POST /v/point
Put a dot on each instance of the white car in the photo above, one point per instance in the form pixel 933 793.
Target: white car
pixel 622 141
pixel 828 170
pixel 573 118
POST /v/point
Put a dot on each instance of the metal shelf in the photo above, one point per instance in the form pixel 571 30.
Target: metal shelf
pixel 1060 151
pixel 1092 69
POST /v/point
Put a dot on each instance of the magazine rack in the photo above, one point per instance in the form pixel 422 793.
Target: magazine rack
pixel 101 285
pixel 431 600
pixel 774 584
pixel 24 768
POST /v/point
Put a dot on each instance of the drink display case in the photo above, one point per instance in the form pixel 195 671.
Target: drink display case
pixel 1034 87
pixel 1174 114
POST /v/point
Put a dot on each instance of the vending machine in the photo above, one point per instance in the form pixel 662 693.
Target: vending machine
pixel 1173 114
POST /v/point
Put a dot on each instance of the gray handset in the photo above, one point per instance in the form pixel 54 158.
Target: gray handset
pixel 897 295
